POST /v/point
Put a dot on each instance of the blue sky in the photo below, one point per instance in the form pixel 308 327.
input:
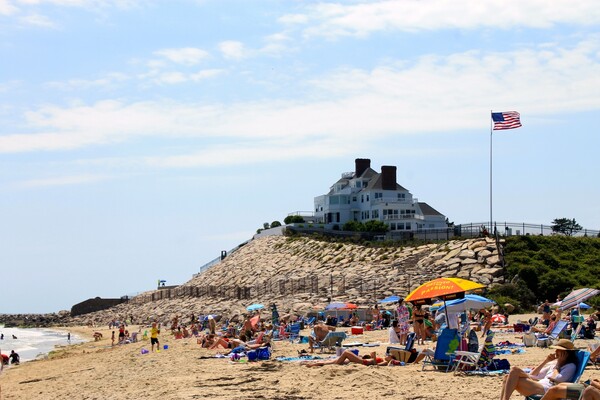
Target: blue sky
pixel 138 139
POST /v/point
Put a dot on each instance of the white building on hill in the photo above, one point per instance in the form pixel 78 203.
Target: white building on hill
pixel 365 195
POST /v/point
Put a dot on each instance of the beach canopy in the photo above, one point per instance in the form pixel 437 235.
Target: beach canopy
pixel 390 299
pixel 577 297
pixel 254 307
pixel 442 288
pixel 469 302
pixel 341 306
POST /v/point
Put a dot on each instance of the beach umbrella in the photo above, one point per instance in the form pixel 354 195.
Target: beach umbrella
pixel 390 299
pixel 469 302
pixel 577 296
pixel 584 306
pixel 341 306
pixel 442 288
pixel 254 307
pixel 498 319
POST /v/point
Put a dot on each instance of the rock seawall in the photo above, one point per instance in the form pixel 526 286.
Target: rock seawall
pixel 298 274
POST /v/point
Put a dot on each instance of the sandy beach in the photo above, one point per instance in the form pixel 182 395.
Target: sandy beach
pixel 97 370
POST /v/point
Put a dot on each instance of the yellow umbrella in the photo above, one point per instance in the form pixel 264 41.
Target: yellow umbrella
pixel 442 288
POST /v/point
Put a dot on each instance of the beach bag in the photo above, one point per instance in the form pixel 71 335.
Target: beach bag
pixel 473 345
pixel 529 339
pixel 499 365
pixel 264 353
pixel 252 355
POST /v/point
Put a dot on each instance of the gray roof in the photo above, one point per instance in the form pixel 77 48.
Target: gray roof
pixel 375 183
pixel 428 210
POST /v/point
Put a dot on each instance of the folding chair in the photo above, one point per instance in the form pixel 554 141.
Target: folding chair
pixel 331 341
pixel 443 357
pixel 545 341
pixel 467 361
pixel 595 360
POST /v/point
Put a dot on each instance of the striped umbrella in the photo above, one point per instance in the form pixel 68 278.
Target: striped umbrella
pixel 577 296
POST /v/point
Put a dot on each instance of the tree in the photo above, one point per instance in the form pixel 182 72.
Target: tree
pixel 291 219
pixel 275 224
pixel 266 225
pixel 566 226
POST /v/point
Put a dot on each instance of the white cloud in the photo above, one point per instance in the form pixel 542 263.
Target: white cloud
pixel 105 82
pixel 62 181
pixel 434 93
pixel 336 19
pixel 206 74
pixel 185 56
pixel 233 50
pixel 7 8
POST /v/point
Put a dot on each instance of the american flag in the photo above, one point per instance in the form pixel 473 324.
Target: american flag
pixel 506 120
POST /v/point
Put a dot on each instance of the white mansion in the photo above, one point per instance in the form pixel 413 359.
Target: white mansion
pixel 365 195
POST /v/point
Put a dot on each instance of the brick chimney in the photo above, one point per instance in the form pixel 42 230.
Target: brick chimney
pixel 388 177
pixel 361 166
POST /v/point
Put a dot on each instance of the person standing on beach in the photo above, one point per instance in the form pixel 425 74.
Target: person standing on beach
pixel 69 337
pixel 154 331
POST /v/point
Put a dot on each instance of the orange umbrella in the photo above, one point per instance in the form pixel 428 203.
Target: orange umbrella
pixel 442 288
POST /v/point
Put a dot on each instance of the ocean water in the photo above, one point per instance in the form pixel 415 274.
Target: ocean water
pixel 32 343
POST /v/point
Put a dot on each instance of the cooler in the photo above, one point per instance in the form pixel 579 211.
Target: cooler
pixel 357 330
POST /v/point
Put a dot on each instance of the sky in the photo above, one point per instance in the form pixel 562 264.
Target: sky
pixel 138 139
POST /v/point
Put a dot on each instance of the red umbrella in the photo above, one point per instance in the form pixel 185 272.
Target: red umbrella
pixel 498 319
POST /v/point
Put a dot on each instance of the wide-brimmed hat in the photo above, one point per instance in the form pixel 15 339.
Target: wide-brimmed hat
pixel 563 344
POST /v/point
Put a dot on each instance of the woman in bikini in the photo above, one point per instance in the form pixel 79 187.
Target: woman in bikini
pixel 419 324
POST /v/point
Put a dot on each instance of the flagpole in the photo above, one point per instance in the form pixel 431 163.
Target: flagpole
pixel 491 130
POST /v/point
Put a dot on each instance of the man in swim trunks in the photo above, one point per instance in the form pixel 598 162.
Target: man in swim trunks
pixel 320 331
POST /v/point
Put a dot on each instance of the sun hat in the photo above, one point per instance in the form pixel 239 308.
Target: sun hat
pixel 563 344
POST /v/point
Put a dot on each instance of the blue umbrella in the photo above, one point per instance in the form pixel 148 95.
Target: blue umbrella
pixel 390 299
pixel 255 307
pixel 470 301
pixel 584 306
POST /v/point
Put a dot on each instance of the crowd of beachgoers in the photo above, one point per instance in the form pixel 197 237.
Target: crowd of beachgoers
pixel 394 335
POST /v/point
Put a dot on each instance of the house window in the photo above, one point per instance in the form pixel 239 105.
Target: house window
pixel 362 198
pixel 401 196
pixel 408 227
pixel 392 226
pixel 375 213
pixel 378 195
pixel 358 184
pixel 354 199
pixel 367 197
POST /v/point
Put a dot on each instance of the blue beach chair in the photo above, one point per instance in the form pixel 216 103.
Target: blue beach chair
pixel 444 354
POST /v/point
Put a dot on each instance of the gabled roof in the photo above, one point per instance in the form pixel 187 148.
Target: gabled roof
pixel 428 210
pixel 375 183
pixel 368 173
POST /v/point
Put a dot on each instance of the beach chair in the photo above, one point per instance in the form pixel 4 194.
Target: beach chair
pixel 395 351
pixel 596 360
pixel 310 321
pixel 331 341
pixel 293 331
pixel 582 359
pixel 545 341
pixel 443 357
pixel 467 361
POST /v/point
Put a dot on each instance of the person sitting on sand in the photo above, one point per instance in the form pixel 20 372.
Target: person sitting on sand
pixel 349 357
pixel 97 336
pixel 567 390
pixel 320 330
pixel 557 367
pixel 14 358
pixel 394 333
